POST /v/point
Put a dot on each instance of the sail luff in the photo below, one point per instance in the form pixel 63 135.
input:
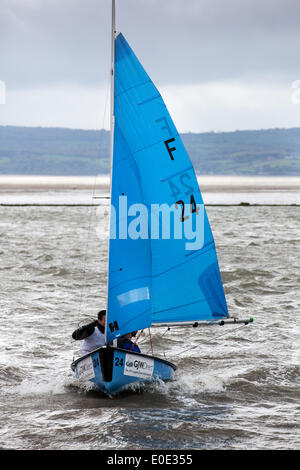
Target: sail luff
pixel 112 79
pixel 112 119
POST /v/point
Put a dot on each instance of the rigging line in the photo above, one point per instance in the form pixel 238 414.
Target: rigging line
pixel 168 329
pixel 92 209
pixel 210 341
pixel 87 248
pixel 151 349
pixel 151 341
pixel 136 340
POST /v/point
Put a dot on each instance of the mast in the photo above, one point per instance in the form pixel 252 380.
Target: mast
pixel 112 86
pixel 112 116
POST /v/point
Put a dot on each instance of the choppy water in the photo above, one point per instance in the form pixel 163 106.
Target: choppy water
pixel 239 391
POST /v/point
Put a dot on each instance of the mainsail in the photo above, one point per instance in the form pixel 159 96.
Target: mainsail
pixel 154 279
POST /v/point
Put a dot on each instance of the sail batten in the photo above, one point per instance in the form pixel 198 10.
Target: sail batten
pixel 153 279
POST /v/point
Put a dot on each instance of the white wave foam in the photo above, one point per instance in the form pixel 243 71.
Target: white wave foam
pixel 199 383
pixel 47 386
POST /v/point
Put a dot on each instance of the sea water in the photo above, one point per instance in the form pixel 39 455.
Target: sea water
pixel 236 387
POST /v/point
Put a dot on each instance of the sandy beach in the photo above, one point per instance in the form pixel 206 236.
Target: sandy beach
pixel 207 183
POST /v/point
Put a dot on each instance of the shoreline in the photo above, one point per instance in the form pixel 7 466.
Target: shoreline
pixel 241 204
pixel 207 183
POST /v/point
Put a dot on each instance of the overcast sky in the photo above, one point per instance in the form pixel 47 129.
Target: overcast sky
pixel 220 65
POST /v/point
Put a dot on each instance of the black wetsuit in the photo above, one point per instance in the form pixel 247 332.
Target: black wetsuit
pixel 87 330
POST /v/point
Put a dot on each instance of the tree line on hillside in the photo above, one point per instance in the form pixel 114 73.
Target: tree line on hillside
pixel 58 151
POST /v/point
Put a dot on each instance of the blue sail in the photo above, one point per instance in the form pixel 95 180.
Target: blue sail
pixel 155 279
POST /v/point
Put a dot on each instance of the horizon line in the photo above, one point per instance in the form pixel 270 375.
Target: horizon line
pixel 181 133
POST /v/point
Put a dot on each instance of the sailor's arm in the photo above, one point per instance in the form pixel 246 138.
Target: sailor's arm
pixel 84 331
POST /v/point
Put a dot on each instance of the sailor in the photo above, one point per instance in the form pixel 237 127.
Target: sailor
pixel 92 334
pixel 124 342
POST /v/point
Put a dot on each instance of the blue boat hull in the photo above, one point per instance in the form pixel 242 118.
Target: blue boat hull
pixel 113 369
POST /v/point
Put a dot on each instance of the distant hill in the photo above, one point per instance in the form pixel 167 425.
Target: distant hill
pixel 58 151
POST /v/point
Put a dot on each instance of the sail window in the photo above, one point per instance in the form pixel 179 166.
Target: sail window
pixel 134 295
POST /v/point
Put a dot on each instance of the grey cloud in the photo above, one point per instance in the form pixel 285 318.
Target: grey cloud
pixel 51 41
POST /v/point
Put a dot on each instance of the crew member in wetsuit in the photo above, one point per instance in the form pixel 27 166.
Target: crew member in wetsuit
pixel 124 342
pixel 92 334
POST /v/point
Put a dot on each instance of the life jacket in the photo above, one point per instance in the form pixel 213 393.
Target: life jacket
pixel 94 341
pixel 125 343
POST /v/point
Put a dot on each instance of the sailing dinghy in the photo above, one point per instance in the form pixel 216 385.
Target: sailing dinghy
pixel 153 278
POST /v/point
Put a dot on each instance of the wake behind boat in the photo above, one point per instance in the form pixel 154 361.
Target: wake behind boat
pixel 163 267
